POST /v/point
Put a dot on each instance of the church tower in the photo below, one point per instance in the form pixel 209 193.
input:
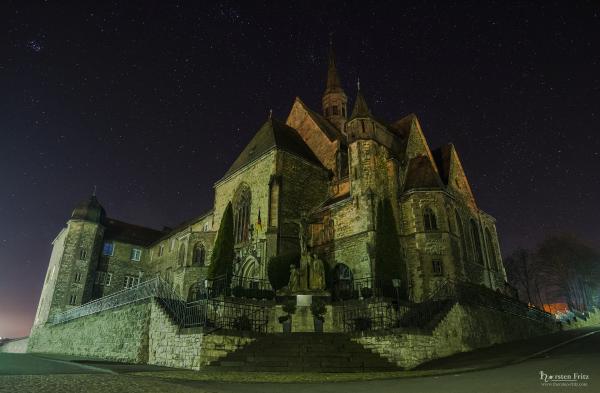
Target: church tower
pixel 73 262
pixel 334 99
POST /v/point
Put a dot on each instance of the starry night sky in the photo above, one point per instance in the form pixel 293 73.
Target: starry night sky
pixel 152 100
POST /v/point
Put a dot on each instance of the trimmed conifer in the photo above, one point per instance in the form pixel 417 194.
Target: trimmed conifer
pixel 221 260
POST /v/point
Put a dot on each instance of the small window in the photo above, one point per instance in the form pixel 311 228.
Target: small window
pixel 437 267
pixel 172 245
pixel 205 228
pixel 131 282
pixel 161 250
pixel 82 254
pixel 335 111
pixel 344 110
pixel 103 278
pixel 429 220
pixel 136 254
pixel 72 300
pixel 77 277
pixel 109 248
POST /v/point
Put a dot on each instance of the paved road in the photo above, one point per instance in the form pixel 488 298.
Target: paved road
pixel 581 356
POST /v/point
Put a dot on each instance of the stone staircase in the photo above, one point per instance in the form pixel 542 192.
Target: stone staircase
pixel 316 352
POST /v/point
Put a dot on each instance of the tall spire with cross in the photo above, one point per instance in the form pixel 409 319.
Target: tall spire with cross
pixel 334 99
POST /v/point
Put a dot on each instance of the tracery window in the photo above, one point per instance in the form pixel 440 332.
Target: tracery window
pixel 429 220
pixel 241 215
pixel 491 251
pixel 199 255
pixel 477 252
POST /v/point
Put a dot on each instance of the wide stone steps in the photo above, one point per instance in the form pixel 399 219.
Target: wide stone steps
pixel 316 352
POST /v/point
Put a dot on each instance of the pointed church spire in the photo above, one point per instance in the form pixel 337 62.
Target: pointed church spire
pixel 334 99
pixel 361 109
pixel 333 79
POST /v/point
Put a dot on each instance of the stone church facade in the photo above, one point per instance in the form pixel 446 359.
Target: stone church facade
pixel 332 166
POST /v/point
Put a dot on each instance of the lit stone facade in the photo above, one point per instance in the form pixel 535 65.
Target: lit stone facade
pixel 333 167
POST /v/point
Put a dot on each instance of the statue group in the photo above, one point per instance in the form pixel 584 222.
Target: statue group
pixel 310 276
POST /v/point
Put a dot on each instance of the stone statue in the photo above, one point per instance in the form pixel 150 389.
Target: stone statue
pixel 302 223
pixel 293 285
pixel 317 273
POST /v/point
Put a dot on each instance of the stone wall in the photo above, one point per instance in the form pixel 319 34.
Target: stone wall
pixel 15 346
pixel 186 348
pixel 463 329
pixel 118 334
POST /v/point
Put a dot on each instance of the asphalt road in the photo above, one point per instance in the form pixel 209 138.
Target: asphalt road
pixel 28 373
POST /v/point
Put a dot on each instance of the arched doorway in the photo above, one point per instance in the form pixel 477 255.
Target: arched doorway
pixel 342 282
pixel 249 274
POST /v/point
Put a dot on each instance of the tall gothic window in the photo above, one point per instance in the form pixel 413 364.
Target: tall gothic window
pixel 491 251
pixel 181 255
pixel 241 215
pixel 476 243
pixel 429 220
pixel 199 255
pixel 461 234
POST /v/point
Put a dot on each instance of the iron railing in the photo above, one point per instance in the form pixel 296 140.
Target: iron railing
pixel 375 314
pixel 213 313
pixel 142 291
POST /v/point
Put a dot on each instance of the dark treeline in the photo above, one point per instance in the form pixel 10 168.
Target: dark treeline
pixel 562 269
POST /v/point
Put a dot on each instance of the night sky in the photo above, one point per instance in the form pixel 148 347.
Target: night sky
pixel 152 100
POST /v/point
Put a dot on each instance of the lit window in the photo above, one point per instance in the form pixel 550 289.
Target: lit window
pixel 82 254
pixel 429 220
pixel 131 282
pixel 437 267
pixel 109 248
pixel 136 254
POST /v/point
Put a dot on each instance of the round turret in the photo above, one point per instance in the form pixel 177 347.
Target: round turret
pixel 89 210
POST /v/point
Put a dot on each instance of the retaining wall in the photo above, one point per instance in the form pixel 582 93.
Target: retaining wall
pixel 463 329
pixel 117 334
pixel 15 346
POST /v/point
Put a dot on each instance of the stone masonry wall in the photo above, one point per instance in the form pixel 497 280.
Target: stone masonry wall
pixel 463 329
pixel 15 346
pixel 118 334
pixel 186 348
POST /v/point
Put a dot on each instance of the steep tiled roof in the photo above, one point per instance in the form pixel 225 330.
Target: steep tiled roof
pixel 361 109
pixel 130 233
pixel 273 134
pixel 421 174
pixel 325 125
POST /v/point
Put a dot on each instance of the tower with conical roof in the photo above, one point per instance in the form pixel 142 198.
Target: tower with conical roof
pixel 69 279
pixel 334 99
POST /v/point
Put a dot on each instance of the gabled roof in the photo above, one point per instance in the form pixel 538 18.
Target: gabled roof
pixel 130 233
pixel 273 133
pixel 325 125
pixel 421 174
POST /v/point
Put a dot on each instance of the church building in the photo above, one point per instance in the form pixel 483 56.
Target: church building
pixel 333 166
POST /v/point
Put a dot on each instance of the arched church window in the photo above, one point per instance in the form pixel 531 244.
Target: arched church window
pixel 181 255
pixel 477 252
pixel 199 255
pixel 429 220
pixel 241 215
pixel 491 251
pixel 461 234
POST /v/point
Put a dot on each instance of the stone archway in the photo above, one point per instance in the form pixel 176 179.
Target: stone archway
pixel 342 281
pixel 249 274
